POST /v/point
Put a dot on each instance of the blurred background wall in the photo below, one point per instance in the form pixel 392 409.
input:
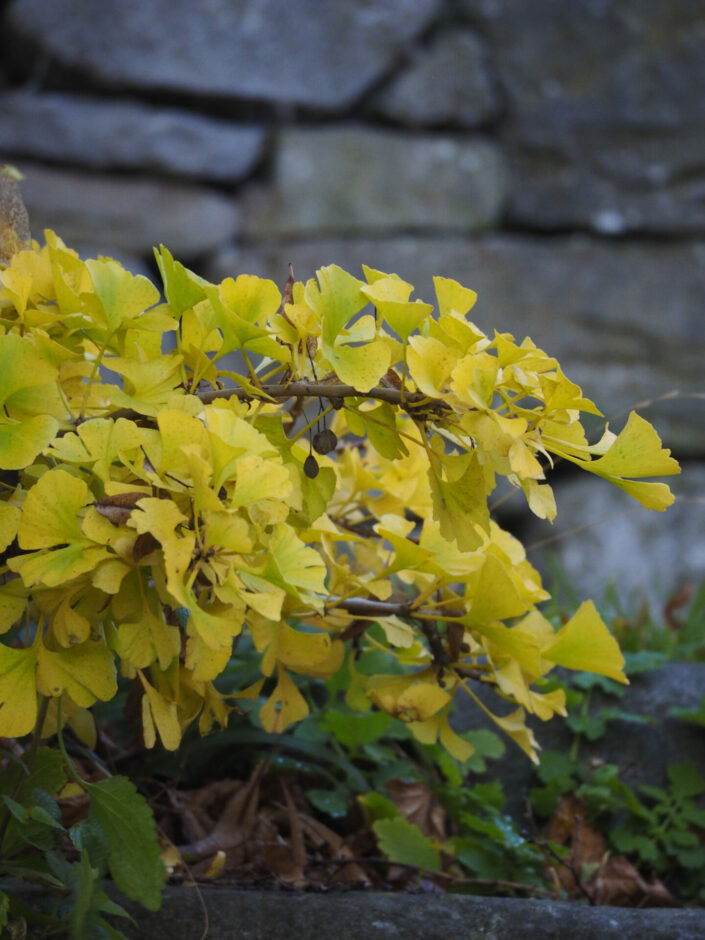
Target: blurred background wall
pixel 548 153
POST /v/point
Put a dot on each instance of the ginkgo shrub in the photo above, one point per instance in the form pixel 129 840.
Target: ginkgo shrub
pixel 156 505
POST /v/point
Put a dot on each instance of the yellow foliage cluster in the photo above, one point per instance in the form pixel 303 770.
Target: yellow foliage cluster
pixel 155 504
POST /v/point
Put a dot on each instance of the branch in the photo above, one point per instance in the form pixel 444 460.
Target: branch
pixel 394 396
pixel 409 401
pixel 364 607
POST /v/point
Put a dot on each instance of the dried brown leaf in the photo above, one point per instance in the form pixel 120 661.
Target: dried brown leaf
pixel 417 803
pixel 618 883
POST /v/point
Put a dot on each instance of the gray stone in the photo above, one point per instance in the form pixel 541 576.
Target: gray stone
pixel 641 751
pixel 352 179
pixel 606 105
pixel 449 82
pixel 117 214
pixel 321 55
pixel 637 63
pixel 604 539
pixel 259 915
pixel 125 135
pixel 234 914
pixel 610 181
pixel 625 320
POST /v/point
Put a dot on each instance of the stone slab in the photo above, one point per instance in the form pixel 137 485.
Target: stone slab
pixel 606 111
pixel 320 55
pixel 625 320
pixel 449 82
pixel 120 214
pixel 109 134
pixel 350 179
pixel 258 915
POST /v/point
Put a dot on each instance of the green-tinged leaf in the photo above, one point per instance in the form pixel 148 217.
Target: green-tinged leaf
pixel 123 296
pixel 134 854
pixel 336 299
pixel 183 289
pixel 461 504
pixel 402 841
pixel 382 432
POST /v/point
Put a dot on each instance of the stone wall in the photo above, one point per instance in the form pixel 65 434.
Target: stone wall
pixel 549 154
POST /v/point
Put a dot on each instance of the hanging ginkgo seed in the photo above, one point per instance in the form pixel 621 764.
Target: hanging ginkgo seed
pixel 325 441
pixel 311 467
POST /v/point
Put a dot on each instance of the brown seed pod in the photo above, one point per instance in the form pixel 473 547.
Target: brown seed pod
pixel 324 441
pixel 311 467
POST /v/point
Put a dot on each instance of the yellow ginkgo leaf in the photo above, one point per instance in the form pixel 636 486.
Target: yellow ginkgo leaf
pixel 285 706
pixel 390 296
pixel 85 671
pixel 18 695
pixel 21 441
pixel 515 726
pixel 359 366
pixel 51 509
pixel 410 698
pixel 9 522
pixel 455 745
pixel 148 639
pixel 430 364
pixel 586 644
pixel 453 296
pixel 159 716
pixel 636 452
pixel 13 600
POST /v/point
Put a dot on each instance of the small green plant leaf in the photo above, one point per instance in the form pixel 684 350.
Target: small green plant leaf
pixel 334 803
pixel 685 780
pixel 354 729
pixel 131 839
pixel 402 841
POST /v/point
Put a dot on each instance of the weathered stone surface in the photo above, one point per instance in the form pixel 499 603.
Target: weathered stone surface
pixel 262 915
pixel 121 214
pixel 625 320
pixel 351 180
pixel 642 751
pixel 321 55
pixel 126 135
pixel 449 82
pixel 602 538
pixel 613 182
pixel 594 62
pixel 606 107
pixel 234 914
